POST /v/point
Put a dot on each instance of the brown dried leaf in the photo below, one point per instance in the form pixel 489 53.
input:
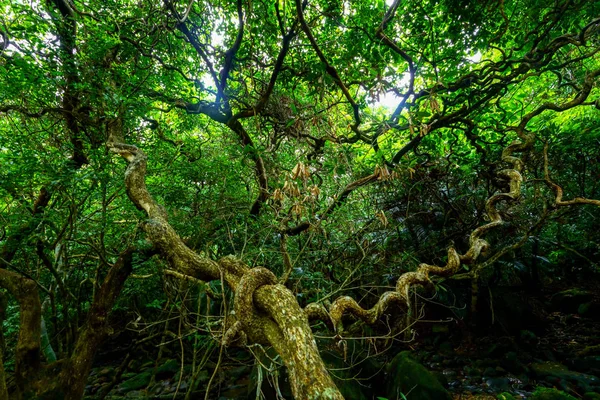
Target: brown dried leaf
pixel 381 216
pixel 278 195
pixel 314 190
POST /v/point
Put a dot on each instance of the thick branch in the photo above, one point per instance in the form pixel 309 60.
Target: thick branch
pixel 267 312
pixel 558 191
pixel 74 374
pixel 347 305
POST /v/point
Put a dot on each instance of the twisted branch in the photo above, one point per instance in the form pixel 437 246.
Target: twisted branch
pixel 243 301
pixel 422 276
pixel 266 313
pixel 558 191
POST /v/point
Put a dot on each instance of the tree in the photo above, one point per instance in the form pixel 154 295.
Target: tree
pixel 247 126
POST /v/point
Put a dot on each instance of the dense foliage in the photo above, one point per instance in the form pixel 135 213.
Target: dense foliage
pixel 338 144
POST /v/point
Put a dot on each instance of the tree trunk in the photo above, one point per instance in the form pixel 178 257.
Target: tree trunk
pixel 74 374
pixel 27 354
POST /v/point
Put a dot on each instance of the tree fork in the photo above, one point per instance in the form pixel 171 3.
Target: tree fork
pixel 272 317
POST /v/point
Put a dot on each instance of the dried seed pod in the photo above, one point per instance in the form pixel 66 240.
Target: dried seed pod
pixel 314 190
pixel 296 171
pixel 381 216
pixel 278 195
pixel 297 209
pixel 301 171
pixel 434 104
pixel 383 174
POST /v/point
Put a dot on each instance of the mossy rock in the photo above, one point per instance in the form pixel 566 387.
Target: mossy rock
pixel 136 382
pixel 550 394
pixel 409 378
pixel 168 369
pixel 570 300
pixel 510 362
pixel 557 374
pixel 506 396
pixel 584 308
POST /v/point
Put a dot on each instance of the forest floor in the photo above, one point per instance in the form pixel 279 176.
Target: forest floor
pixel 560 350
pixel 549 340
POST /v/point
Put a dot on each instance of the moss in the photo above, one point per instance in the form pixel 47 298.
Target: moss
pixel 570 300
pixel 542 393
pixel 595 349
pixel 139 381
pixel 171 367
pixel 506 396
pixel 584 308
pixel 413 380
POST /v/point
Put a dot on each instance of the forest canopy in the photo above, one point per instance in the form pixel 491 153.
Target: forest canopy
pixel 205 176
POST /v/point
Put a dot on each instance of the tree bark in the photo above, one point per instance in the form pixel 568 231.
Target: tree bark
pixel 264 312
pixel 74 374
pixel 27 354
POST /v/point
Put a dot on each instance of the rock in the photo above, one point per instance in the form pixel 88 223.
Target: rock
pixel 408 377
pixel 559 375
pixel 446 348
pixel 437 358
pixel 528 338
pixel 490 372
pixel 550 394
pixel 511 363
pixel 106 371
pixel 584 308
pixel 136 382
pixel 498 384
pixel 136 394
pixel 568 301
pixel 168 369
pixel 472 371
pixel 499 349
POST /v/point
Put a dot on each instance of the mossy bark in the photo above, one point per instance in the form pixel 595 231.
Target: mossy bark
pixel 74 374
pixel 264 312
pixel 27 354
